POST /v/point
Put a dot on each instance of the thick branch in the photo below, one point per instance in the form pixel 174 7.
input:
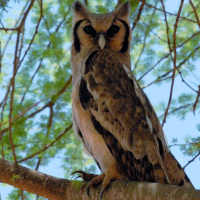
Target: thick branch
pixel 56 188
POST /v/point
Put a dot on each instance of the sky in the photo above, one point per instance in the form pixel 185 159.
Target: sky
pixel 156 94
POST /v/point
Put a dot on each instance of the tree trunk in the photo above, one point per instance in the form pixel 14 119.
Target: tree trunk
pixel 63 189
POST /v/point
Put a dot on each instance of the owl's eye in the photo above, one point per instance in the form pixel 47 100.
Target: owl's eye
pixel 89 30
pixel 112 30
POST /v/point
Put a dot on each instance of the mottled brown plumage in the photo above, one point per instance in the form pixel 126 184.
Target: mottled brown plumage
pixel 112 116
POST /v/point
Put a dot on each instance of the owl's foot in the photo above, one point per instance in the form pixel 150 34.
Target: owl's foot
pixel 111 174
pixel 94 180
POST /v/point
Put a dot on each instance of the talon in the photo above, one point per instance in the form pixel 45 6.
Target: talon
pixel 112 173
pixel 78 177
pixel 104 188
pixel 88 191
pixel 83 175
pixel 78 171
pixel 102 192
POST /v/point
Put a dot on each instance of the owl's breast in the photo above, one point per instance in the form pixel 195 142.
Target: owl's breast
pixel 93 142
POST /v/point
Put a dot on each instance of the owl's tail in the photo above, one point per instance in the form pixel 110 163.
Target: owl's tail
pixel 174 171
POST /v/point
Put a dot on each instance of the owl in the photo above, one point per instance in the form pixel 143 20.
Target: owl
pixel 112 116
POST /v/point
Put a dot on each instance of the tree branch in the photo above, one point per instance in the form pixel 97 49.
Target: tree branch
pixel 138 16
pixel 183 18
pixel 47 146
pixel 166 55
pixel 195 12
pixel 174 61
pixel 196 101
pixel 191 160
pixel 57 188
pixel 145 37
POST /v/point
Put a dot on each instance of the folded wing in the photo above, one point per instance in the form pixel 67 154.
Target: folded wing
pixel 123 115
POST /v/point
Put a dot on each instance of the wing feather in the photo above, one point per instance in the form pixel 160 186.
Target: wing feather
pixel 123 115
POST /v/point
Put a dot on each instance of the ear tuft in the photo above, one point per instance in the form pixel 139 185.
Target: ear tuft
pixel 123 10
pixel 77 6
pixel 79 9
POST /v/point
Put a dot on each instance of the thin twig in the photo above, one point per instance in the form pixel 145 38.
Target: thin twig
pixel 191 160
pixel 41 60
pixel 22 113
pixel 36 31
pixel 16 60
pixel 145 37
pixel 160 79
pixel 183 18
pixel 14 73
pixel 183 80
pixel 12 97
pixel 47 146
pixel 139 15
pixel 177 109
pixel 167 30
pixel 195 12
pixel 196 101
pixel 174 59
pixel 4 49
pixel 49 104
pixel 167 55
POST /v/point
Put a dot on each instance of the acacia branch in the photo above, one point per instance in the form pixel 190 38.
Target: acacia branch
pixel 144 39
pixel 41 59
pixel 183 18
pixel 195 12
pixel 12 81
pixel 156 81
pixel 47 146
pixel 49 104
pixel 139 15
pixel 180 64
pixel 12 29
pixel 16 58
pixel 196 101
pixel 174 61
pixel 167 29
pixel 191 160
pixel 177 109
pixel 168 54
pixel 56 188
pixel 36 31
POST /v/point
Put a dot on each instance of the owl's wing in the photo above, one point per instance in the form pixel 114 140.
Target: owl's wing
pixel 123 115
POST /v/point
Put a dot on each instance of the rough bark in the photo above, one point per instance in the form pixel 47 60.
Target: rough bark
pixel 63 189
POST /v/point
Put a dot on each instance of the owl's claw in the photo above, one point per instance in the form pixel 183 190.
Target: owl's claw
pixel 102 192
pixel 105 185
pixel 77 177
pixel 88 191
pixel 95 182
pixel 112 173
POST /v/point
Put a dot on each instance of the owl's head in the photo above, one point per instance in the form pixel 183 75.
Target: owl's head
pixel 103 31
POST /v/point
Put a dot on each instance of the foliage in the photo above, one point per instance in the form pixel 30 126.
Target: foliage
pixel 35 78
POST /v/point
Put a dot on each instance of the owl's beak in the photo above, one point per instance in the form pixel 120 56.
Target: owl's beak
pixel 102 41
